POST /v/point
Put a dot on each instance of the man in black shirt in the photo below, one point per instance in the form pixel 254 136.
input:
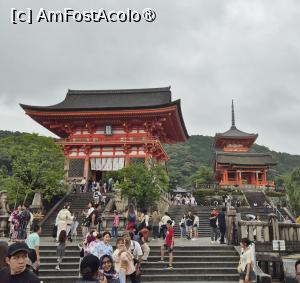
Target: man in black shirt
pixel 222 225
pixel 17 258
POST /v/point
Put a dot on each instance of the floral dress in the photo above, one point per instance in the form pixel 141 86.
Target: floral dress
pixel 14 225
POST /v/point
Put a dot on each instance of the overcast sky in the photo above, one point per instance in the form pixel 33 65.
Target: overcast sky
pixel 209 51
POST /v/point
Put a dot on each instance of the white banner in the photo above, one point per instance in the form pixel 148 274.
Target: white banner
pixel 107 164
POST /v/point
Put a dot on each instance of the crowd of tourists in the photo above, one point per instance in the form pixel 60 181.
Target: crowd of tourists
pixel 101 186
pixel 190 222
pixel 180 199
pixel 131 247
pixel 20 221
pixel 99 260
pixel 115 266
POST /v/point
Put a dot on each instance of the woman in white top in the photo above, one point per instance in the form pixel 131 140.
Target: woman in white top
pixel 246 264
pixel 196 226
pixel 62 219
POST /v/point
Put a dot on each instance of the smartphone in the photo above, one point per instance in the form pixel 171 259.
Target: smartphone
pixel 101 275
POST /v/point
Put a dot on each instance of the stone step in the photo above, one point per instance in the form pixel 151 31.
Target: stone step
pixel 192 249
pixel 182 279
pixel 67 264
pixel 196 253
pixel 191 277
pixel 198 258
pixel 148 271
pixel 189 271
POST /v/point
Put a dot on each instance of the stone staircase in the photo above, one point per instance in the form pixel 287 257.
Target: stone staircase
pixel 176 212
pixel 258 197
pixel 78 202
pixel 191 264
pixel 259 210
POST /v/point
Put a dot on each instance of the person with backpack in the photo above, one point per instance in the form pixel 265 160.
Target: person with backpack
pixel 130 218
pixel 95 218
pixel 96 196
pixel 88 216
pixel 182 225
pixel 189 225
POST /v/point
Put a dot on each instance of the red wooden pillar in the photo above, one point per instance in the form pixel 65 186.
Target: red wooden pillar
pixel 253 178
pixel 225 177
pixel 236 177
pixel 86 167
pixel 240 178
pixel 256 179
pixel 264 178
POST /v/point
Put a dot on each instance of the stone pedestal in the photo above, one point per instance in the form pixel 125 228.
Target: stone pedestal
pixel 3 214
pixel 108 219
pixel 37 205
pixel 4 224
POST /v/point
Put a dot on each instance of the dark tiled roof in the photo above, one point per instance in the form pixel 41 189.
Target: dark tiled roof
pixel 109 99
pixel 245 158
pixel 234 132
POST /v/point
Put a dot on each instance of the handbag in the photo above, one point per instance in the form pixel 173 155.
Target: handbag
pixel 81 254
pixel 86 222
pixel 54 231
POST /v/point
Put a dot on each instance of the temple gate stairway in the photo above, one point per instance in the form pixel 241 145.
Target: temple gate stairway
pixel 259 210
pixel 192 263
pixel 258 197
pixel 177 211
pixel 77 201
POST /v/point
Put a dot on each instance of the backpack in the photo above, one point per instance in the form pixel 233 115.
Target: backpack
pixel 131 217
pixel 97 217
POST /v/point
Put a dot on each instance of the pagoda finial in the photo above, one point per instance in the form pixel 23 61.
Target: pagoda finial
pixel 232 116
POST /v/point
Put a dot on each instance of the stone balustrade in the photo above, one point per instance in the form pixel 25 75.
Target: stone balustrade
pixel 289 232
pixel 252 229
pixel 267 231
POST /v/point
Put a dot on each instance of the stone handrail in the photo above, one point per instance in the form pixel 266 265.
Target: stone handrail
pixel 289 232
pixel 250 229
pixel 268 231
pixel 55 207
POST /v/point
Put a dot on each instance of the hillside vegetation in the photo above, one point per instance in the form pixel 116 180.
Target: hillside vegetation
pixel 186 158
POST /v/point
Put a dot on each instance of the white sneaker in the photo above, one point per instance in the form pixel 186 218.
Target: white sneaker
pixel 212 242
pixel 57 267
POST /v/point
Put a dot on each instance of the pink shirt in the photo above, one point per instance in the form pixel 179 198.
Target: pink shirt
pixel 116 221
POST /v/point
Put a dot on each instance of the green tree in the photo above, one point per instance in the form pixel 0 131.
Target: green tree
pixel 144 183
pixel 203 175
pixel 33 163
pixel 293 189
